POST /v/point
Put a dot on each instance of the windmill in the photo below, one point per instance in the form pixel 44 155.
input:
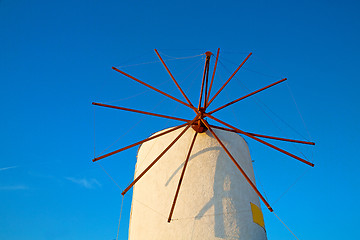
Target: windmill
pixel 198 150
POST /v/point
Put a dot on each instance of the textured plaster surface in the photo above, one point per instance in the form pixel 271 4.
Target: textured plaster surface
pixel 214 199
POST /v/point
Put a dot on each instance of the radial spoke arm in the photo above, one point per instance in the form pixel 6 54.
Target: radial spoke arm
pixel 138 143
pixel 212 99
pixel 213 76
pixel 161 154
pixel 181 177
pixel 172 77
pixel 153 88
pixel 138 111
pixel 265 136
pixel 203 81
pixel 261 141
pixel 239 167
pixel 248 95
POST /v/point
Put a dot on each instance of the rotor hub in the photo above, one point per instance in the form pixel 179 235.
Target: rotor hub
pixel 198 125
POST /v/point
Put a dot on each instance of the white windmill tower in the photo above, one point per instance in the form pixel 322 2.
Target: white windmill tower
pixel 199 175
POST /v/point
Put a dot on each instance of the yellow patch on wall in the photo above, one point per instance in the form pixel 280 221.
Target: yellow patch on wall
pixel 258 217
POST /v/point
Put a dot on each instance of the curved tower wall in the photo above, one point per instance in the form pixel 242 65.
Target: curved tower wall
pixel 215 201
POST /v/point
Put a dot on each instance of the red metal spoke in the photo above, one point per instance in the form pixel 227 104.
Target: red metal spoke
pixel 204 76
pixel 213 76
pixel 238 166
pixel 212 99
pixel 206 82
pixel 261 141
pixel 265 136
pixel 138 143
pixel 155 89
pixel 248 95
pixel 172 77
pixel 138 111
pixel 161 154
pixel 181 177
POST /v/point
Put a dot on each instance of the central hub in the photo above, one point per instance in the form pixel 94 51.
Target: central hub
pixel 198 125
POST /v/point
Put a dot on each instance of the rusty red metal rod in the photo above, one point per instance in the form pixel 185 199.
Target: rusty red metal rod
pixel 138 111
pixel 138 143
pixel 204 76
pixel 213 76
pixel 181 177
pixel 155 89
pixel 248 95
pixel 217 93
pixel 261 141
pixel 265 136
pixel 161 154
pixel 172 77
pixel 206 83
pixel 238 166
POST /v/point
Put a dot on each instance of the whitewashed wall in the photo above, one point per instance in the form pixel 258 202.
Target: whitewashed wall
pixel 214 199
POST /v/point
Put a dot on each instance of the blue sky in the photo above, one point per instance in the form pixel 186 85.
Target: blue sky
pixel 56 58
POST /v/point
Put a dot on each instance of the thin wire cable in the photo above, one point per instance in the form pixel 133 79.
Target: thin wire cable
pixel 292 185
pixel 212 214
pixel 132 127
pixel 237 121
pixel 187 89
pixel 259 102
pixel 155 211
pixel 139 164
pixel 136 95
pixel 162 83
pixel 137 64
pixel 112 179
pixel 302 175
pixel 254 71
pixel 286 226
pixel 297 108
pixel 191 66
pixel 145 63
pixel 265 105
pixel 122 202
pixel 176 58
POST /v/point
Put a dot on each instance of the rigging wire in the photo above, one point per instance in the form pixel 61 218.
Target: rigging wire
pixel 151 62
pixel 252 70
pixel 269 109
pixel 112 179
pixel 292 185
pixel 167 122
pixel 176 58
pixel 237 121
pixel 286 226
pixel 135 95
pixel 297 108
pixel 131 128
pixel 122 202
pixel 302 175
pixel 259 103
pixel 162 83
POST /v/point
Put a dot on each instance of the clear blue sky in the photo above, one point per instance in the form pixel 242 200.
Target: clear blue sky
pixel 56 58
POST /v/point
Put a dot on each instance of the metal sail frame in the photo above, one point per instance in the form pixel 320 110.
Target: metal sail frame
pixel 199 123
